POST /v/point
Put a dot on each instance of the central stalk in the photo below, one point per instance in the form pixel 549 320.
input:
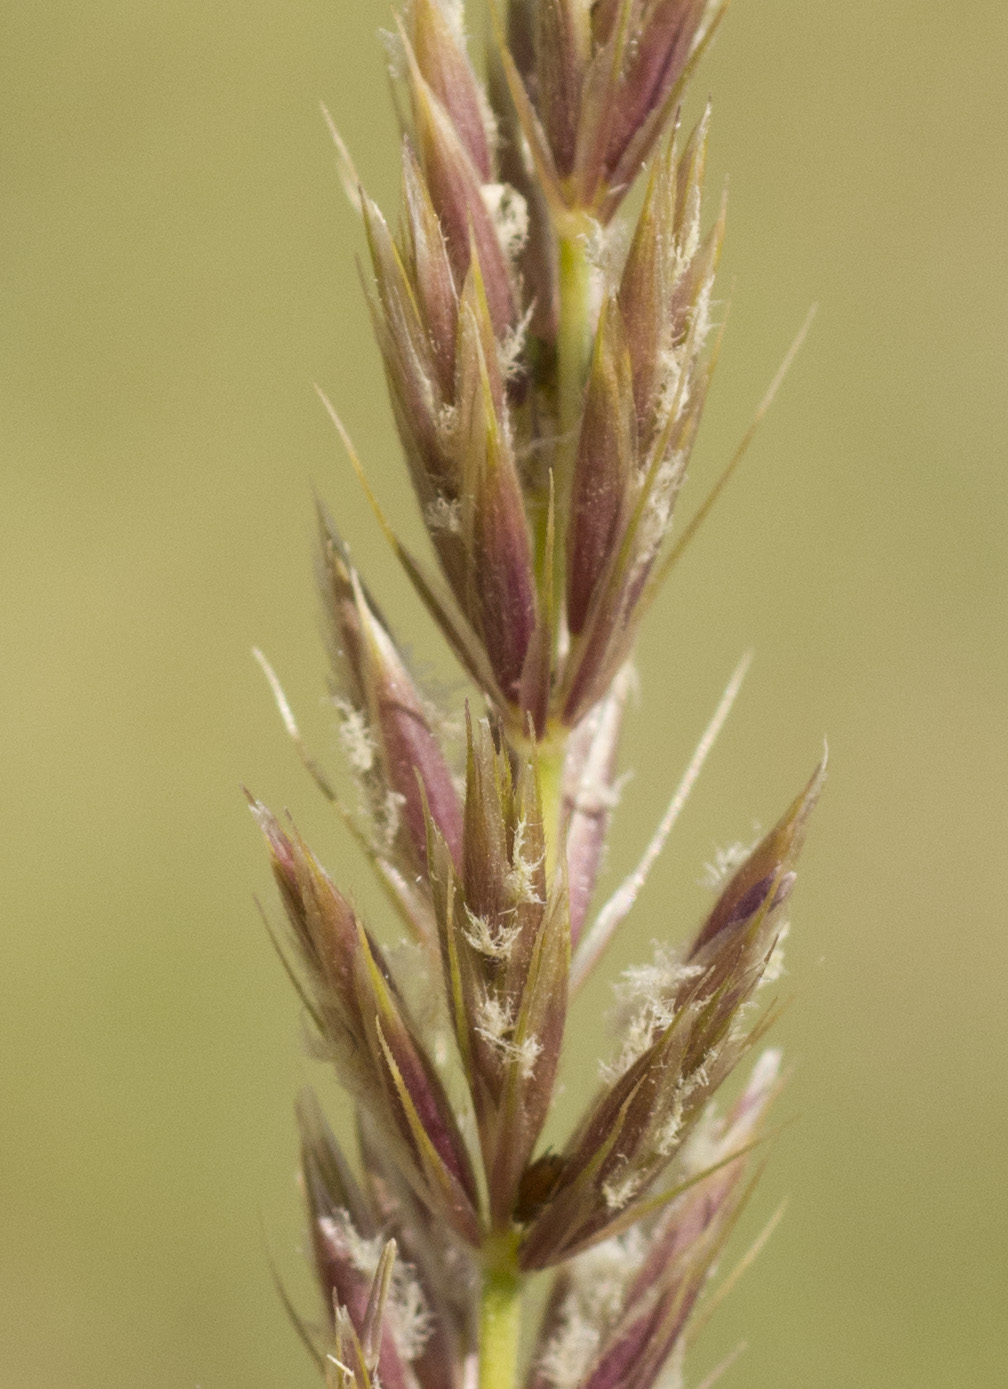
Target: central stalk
pixel 500 1315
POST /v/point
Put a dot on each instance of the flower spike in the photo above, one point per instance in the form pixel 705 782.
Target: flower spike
pixel 547 373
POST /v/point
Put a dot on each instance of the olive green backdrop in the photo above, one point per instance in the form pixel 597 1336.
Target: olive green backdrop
pixel 177 270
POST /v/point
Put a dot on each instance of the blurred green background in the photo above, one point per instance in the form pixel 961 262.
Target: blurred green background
pixel 177 269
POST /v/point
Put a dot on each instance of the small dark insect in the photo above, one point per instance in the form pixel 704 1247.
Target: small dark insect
pixel 537 1185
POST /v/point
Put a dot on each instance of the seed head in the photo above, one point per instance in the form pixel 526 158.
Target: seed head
pixel 547 390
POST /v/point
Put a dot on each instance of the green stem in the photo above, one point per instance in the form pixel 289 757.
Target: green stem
pixel 574 341
pixel 550 756
pixel 500 1319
